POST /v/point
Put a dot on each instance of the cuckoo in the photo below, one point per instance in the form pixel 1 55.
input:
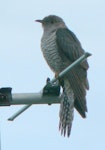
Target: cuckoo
pixel 61 48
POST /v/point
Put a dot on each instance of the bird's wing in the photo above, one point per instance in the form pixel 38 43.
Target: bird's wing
pixel 70 47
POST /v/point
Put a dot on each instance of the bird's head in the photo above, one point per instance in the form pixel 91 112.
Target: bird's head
pixel 52 22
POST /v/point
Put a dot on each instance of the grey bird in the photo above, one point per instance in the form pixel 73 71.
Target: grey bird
pixel 61 48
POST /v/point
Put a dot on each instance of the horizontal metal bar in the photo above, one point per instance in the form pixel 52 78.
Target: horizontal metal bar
pixel 33 98
pixel 82 58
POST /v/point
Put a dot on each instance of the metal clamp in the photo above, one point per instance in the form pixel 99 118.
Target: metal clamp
pixel 5 96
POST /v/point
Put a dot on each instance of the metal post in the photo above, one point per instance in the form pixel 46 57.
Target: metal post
pixel 83 57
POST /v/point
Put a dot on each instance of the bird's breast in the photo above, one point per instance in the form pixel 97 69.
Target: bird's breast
pixel 50 52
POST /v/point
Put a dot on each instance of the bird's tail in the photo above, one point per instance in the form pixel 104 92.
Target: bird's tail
pixel 66 109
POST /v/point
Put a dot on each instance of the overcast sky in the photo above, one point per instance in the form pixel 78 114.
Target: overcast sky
pixel 23 68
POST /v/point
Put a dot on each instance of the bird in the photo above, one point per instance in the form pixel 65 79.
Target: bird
pixel 60 48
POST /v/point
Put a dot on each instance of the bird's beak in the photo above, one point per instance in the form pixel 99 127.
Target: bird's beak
pixel 40 21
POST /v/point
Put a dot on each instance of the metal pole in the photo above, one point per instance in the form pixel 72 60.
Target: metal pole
pixel 0 138
pixel 18 112
pixel 83 57
pixel 29 99
pixel 33 98
pixel 75 63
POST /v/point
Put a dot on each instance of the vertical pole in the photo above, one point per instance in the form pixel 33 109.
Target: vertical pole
pixel 0 137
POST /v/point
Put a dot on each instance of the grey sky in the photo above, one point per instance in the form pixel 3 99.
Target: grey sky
pixel 23 68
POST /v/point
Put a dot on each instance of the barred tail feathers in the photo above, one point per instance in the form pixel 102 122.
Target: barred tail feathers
pixel 66 109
